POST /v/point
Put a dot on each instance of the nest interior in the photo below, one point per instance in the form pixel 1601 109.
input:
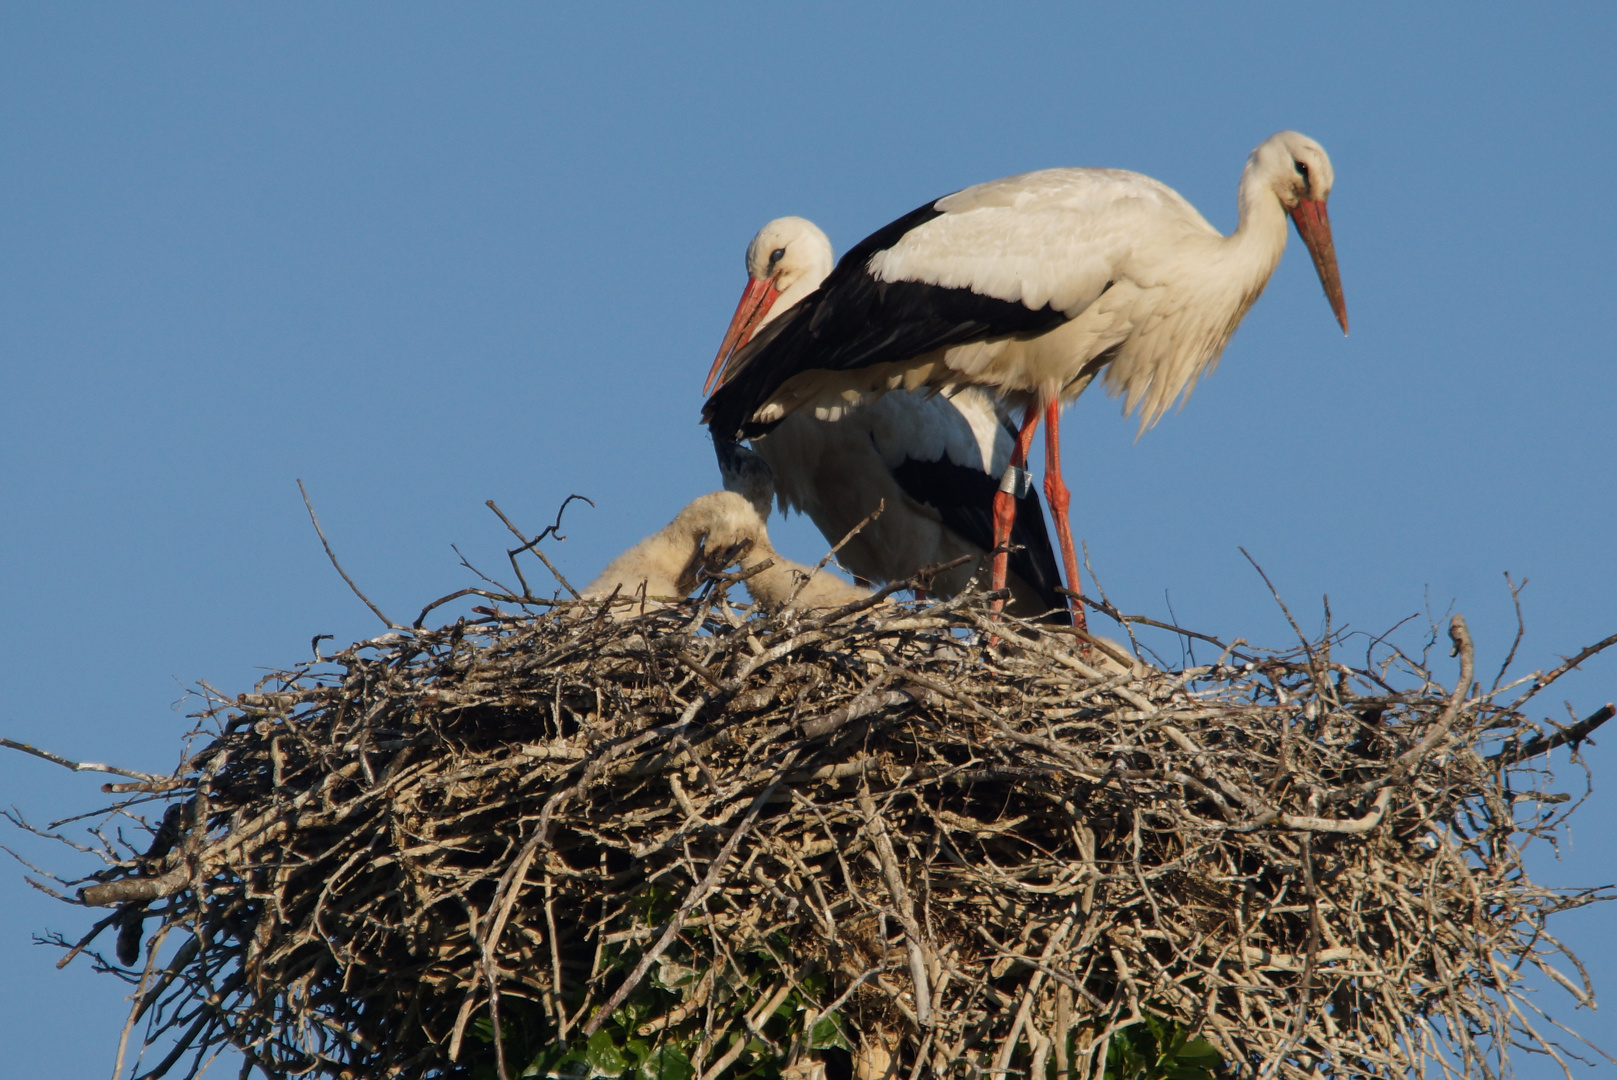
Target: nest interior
pixel 886 840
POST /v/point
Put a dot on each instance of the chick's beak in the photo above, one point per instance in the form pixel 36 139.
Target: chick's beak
pixel 1314 226
pixel 759 297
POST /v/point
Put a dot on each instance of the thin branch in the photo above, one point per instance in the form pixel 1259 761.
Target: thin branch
pixel 80 766
pixel 391 625
pixel 1574 735
pixel 1405 762
pixel 499 598
pixel 1106 608
pixel 838 546
pixel 1521 627
pixel 1544 680
pixel 530 545
pixel 467 563
pixel 1301 637
pixel 697 894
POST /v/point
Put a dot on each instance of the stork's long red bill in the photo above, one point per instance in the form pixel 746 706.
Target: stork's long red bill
pixel 1314 226
pixel 759 297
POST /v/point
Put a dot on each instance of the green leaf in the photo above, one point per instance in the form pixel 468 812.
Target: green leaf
pixel 603 1056
pixel 673 976
pixel 557 1063
pixel 668 1063
pixel 828 1033
pixel 631 1013
pixel 638 1050
pixel 1159 1049
pixel 1190 1072
pixel 1199 1049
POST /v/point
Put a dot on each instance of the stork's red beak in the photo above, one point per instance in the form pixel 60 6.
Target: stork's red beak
pixel 1314 226
pixel 756 301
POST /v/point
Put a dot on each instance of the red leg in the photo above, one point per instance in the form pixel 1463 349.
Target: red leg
pixel 1055 490
pixel 1005 504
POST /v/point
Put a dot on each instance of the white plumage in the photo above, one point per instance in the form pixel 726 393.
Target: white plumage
pixel 1031 286
pixel 740 538
pixel 838 470
pixel 715 531
pixel 723 529
pixel 837 463
pixel 664 566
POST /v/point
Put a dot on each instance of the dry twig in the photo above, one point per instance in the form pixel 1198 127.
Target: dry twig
pixel 636 828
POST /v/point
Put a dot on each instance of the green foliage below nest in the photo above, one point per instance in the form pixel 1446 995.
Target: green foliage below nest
pixel 1153 1049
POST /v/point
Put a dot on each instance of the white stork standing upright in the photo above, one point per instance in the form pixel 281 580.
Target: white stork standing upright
pixel 931 459
pixel 1030 286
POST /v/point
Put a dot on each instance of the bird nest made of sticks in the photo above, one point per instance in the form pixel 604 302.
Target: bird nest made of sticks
pixel 888 840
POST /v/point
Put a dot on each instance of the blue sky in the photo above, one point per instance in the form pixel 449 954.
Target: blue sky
pixel 423 256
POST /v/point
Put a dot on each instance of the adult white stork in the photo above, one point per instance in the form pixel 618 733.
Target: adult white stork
pixel 931 459
pixel 1030 286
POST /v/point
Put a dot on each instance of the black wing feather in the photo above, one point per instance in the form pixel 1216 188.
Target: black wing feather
pixel 854 321
pixel 964 497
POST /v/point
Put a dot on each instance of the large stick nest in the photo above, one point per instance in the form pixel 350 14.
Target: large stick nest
pixel 701 843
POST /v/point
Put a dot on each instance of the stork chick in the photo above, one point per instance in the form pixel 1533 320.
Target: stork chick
pixel 716 531
pixel 740 537
pixel 663 567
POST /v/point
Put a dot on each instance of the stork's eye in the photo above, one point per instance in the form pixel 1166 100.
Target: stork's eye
pixel 1302 170
pixel 776 255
